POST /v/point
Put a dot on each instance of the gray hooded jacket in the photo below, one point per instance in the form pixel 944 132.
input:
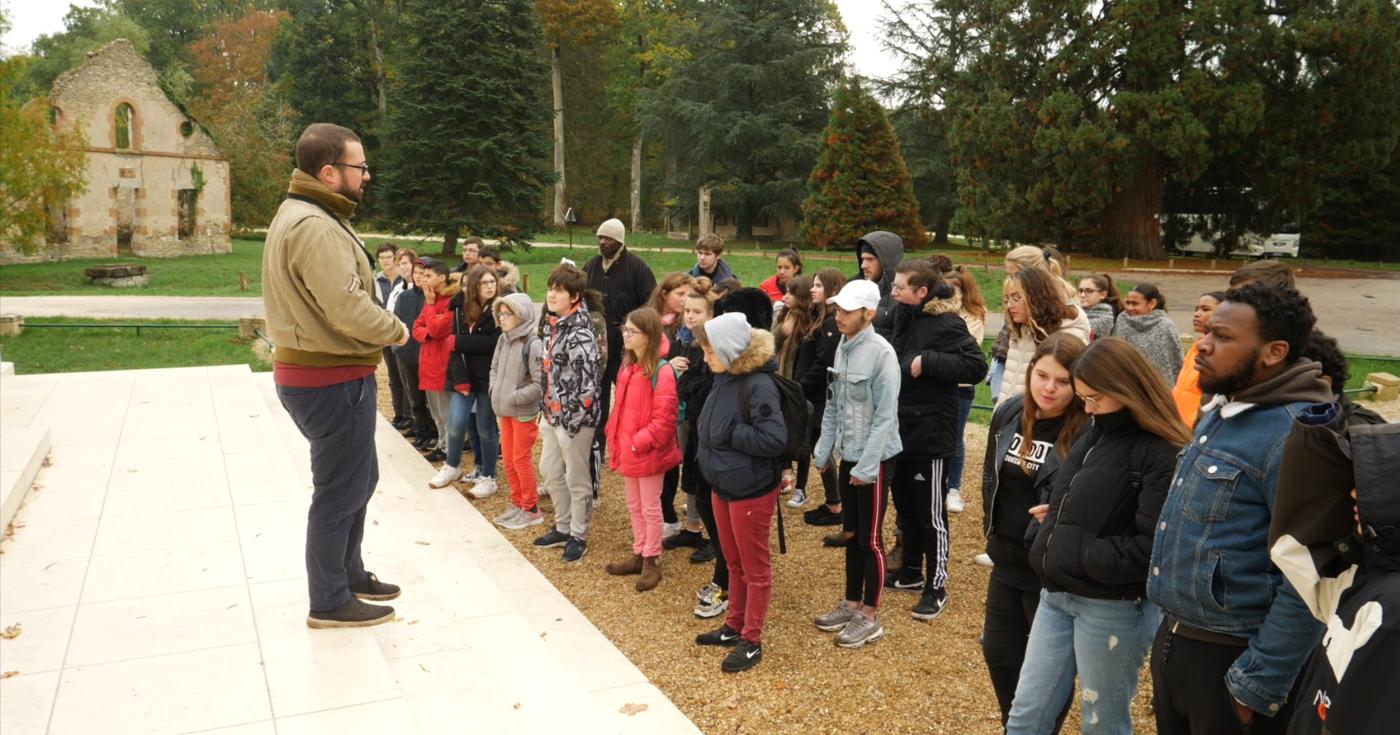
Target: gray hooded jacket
pixel 516 378
pixel 1156 336
pixel 889 248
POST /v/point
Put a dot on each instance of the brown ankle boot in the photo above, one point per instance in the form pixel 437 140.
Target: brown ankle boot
pixel 623 568
pixel 651 574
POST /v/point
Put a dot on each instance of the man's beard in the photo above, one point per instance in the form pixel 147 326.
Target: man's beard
pixel 1235 382
pixel 610 250
pixel 354 194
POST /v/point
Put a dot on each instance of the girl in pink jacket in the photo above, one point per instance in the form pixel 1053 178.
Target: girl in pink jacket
pixel 642 444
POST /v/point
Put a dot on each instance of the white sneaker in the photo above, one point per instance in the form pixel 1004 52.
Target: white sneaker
pixel 982 560
pixel 955 501
pixel 671 529
pixel 472 476
pixel 446 475
pixel 798 499
pixel 484 488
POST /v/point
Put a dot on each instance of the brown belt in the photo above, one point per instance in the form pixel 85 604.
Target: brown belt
pixel 1205 636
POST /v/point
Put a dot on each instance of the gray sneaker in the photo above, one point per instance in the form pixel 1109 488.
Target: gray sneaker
pixel 503 520
pixel 836 619
pixel 859 631
pixel 524 519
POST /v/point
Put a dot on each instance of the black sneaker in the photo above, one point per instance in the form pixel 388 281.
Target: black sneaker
pixel 722 636
pixel 424 443
pixel 373 589
pixel 575 549
pixel 704 554
pixel 684 540
pixel 900 581
pixel 435 456
pixel 552 539
pixel 353 614
pixel 745 656
pixel 931 603
pixel 835 540
pixel 821 516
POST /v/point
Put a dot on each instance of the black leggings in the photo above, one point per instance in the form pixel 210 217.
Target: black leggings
pixel 705 505
pixel 1006 629
pixel 829 484
pixel 669 482
pixel 863 515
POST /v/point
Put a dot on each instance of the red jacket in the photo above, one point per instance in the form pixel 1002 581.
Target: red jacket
pixel 771 287
pixel 641 429
pixel 433 330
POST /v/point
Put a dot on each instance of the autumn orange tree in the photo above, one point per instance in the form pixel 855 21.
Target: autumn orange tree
pixel 253 127
pixel 42 165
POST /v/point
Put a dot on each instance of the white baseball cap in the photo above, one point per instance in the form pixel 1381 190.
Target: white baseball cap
pixel 858 295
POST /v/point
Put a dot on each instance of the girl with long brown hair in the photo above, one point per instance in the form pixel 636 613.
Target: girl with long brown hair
pixel 1094 545
pixel 668 300
pixel 642 445
pixel 1034 308
pixel 469 377
pixel 815 353
pixel 1099 298
pixel 1029 436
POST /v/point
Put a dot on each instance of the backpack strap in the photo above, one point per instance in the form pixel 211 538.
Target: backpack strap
pixel 657 374
pixel 1139 458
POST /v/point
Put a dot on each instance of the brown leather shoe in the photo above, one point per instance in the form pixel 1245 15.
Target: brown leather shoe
pixel 651 574
pixel 633 565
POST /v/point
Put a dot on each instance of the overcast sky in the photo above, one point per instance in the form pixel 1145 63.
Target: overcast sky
pixel 33 18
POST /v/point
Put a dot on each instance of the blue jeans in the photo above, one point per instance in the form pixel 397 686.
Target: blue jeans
pixel 955 466
pixel 338 421
pixel 1105 641
pixel 994 375
pixel 478 427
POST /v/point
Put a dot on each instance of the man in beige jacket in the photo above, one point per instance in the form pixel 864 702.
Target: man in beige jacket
pixel 329 328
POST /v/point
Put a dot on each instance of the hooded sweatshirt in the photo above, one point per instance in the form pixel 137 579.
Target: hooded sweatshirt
pixel 889 248
pixel 1155 335
pixel 516 377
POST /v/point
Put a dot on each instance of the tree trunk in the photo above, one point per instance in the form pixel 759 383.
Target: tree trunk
pixel 743 220
pixel 379 75
pixel 449 242
pixel 637 183
pixel 557 85
pixel 940 229
pixel 1130 225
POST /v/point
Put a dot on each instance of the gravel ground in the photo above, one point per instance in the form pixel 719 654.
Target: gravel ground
pixel 921 678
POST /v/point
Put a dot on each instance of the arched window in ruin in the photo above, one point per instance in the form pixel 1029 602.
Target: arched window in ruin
pixel 126 126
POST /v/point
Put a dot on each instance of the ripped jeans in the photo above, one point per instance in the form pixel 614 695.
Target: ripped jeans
pixel 1103 641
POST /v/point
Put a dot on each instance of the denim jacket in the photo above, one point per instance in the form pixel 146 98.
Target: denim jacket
pixel 1210 563
pixel 860 423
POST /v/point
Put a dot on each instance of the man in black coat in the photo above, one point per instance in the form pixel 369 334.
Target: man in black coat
pixel 626 282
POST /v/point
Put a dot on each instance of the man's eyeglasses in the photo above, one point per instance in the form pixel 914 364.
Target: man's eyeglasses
pixel 363 167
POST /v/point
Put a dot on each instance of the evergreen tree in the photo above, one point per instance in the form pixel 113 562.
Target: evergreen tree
pixel 743 114
pixel 467 143
pixel 860 182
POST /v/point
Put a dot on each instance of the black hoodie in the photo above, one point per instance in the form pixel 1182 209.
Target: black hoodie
pixel 889 248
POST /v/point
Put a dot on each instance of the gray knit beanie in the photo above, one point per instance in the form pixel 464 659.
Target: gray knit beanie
pixel 729 336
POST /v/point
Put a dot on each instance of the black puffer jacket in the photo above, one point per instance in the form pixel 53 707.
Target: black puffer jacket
pixel 740 459
pixel 815 353
pixel 928 404
pixel 1096 540
pixel 1008 547
pixel 470 363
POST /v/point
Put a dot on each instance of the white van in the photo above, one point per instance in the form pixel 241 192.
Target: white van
pixel 1283 244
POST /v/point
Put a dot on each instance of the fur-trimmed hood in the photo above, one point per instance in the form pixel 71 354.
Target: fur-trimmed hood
pixel 949 305
pixel 756 356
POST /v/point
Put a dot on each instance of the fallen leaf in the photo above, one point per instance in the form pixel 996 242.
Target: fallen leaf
pixel 422 543
pixel 516 705
pixel 424 668
pixel 11 632
pixel 632 708
pixel 48 461
pixel 9 674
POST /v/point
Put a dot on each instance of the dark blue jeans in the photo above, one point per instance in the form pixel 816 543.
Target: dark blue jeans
pixel 338 421
pixel 955 467
pixel 480 428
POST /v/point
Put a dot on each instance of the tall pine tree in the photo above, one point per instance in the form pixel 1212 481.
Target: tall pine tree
pixel 860 182
pixel 467 145
pixel 744 112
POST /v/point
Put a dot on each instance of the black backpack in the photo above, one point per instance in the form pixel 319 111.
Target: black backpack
pixel 797 414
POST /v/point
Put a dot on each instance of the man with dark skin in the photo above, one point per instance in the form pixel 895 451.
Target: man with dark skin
pixel 1231 620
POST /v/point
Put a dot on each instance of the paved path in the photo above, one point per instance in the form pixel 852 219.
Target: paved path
pixel 134 307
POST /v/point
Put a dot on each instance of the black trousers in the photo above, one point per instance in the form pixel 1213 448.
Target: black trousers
pixel 705 504
pixel 423 426
pixel 600 439
pixel 830 487
pixel 919 488
pixel 863 515
pixel 1189 694
pixel 669 482
pixel 400 400
pixel 1006 629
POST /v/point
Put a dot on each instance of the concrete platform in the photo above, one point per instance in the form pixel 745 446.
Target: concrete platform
pixel 159 584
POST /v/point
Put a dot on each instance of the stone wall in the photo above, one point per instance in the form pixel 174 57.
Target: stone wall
pixel 131 203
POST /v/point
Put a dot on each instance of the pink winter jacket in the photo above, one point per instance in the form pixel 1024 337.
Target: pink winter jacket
pixel 641 429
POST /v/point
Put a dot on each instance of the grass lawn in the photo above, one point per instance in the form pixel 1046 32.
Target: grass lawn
pixel 67 350
pixel 190 275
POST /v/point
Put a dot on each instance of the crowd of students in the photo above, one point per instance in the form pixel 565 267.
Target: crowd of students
pixel 1127 489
